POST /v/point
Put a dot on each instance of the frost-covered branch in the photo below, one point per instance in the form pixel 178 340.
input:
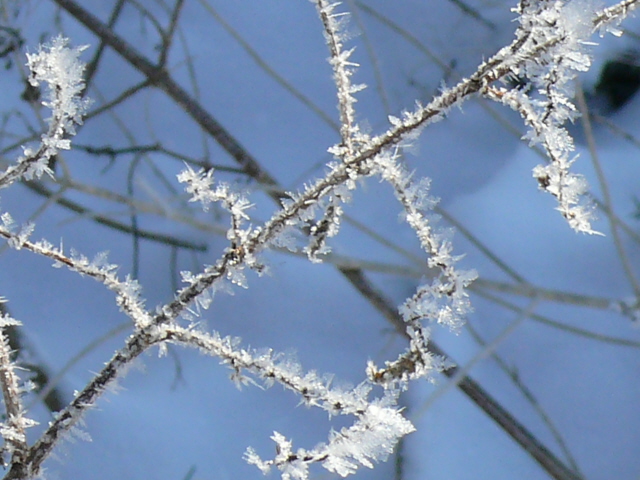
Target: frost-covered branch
pixel 563 28
pixel 66 420
pixel 608 19
pixel 547 51
pixel 545 104
pixel 13 429
pixel 443 301
pixel 371 438
pixel 378 427
pixel 343 69
pixel 127 291
pixel 59 67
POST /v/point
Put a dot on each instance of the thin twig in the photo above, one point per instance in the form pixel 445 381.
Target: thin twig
pixel 40 189
pixel 168 35
pixel 604 187
pixel 530 397
pixel 473 13
pixel 623 342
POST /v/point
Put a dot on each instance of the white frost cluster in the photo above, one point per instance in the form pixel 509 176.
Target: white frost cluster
pixel 201 187
pixel 343 69
pixel 60 68
pixel 553 34
pixel 370 439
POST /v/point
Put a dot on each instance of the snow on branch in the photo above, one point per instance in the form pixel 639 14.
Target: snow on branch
pixel 59 67
pixel 13 429
pixel 608 19
pixel 443 301
pixel 334 25
pixel 551 49
pixel 548 50
pixel 67 420
pixel 371 438
pixel 322 198
pixel 128 296
pixel 379 423
pixel 199 185
pixel 545 103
